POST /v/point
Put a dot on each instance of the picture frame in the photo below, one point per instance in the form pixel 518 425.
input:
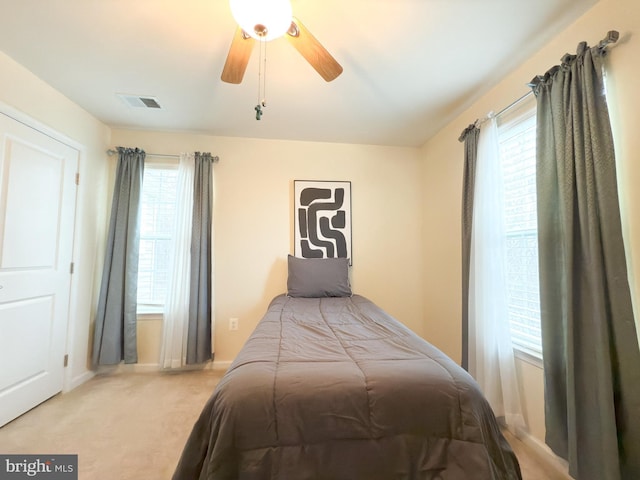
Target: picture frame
pixel 322 213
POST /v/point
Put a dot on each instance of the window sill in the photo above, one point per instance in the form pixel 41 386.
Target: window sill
pixel 150 312
pixel 530 357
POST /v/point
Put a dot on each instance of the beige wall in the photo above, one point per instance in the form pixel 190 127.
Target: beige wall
pixel 442 176
pixel 254 222
pixel 25 93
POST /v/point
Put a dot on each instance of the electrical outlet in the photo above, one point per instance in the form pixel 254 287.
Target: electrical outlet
pixel 233 324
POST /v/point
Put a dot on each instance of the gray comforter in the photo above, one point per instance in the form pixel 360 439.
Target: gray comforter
pixel 334 388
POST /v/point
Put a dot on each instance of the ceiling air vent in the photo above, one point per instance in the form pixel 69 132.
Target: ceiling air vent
pixel 139 101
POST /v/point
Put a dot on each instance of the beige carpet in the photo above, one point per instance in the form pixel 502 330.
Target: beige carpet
pixel 122 426
pixel 134 426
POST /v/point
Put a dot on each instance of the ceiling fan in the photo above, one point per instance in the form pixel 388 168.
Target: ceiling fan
pixel 264 20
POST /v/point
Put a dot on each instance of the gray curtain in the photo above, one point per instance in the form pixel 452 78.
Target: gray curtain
pixel 199 329
pixel 470 138
pixel 590 348
pixel 115 327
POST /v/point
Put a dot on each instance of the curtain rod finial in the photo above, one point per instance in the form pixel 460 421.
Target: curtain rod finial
pixel 612 37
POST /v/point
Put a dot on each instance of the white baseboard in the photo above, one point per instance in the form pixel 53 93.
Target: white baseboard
pixel 544 454
pixel 72 383
pixel 221 365
pixel 127 368
pixel 155 367
pixel 78 380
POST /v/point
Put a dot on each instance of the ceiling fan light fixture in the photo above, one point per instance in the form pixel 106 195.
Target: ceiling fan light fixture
pixel 262 19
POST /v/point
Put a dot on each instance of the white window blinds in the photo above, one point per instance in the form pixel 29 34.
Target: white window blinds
pixel 158 214
pixel 517 138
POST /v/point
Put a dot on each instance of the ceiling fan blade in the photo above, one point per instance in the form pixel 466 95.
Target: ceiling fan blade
pixel 309 47
pixel 238 57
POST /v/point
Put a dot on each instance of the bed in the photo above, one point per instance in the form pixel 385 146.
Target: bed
pixel 329 386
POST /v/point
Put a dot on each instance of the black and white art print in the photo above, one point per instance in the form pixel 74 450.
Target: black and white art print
pixel 322 219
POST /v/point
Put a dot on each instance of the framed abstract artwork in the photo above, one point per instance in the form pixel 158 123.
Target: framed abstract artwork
pixel 322 219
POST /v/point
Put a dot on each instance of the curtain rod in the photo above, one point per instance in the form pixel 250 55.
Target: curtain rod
pixel 504 110
pixel 111 152
pixel 480 121
pixel 611 37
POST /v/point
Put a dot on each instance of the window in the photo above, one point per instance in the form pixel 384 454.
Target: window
pixel 517 138
pixel 157 221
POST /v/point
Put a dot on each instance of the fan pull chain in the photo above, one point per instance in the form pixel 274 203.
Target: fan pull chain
pixel 262 80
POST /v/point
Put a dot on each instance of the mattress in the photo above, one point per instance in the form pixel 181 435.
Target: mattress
pixel 335 388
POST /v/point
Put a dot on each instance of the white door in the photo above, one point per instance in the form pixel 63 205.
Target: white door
pixel 37 209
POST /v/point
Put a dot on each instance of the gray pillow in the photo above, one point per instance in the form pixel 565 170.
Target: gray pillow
pixel 318 277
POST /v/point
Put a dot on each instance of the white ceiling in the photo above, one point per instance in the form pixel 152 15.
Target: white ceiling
pixel 410 66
